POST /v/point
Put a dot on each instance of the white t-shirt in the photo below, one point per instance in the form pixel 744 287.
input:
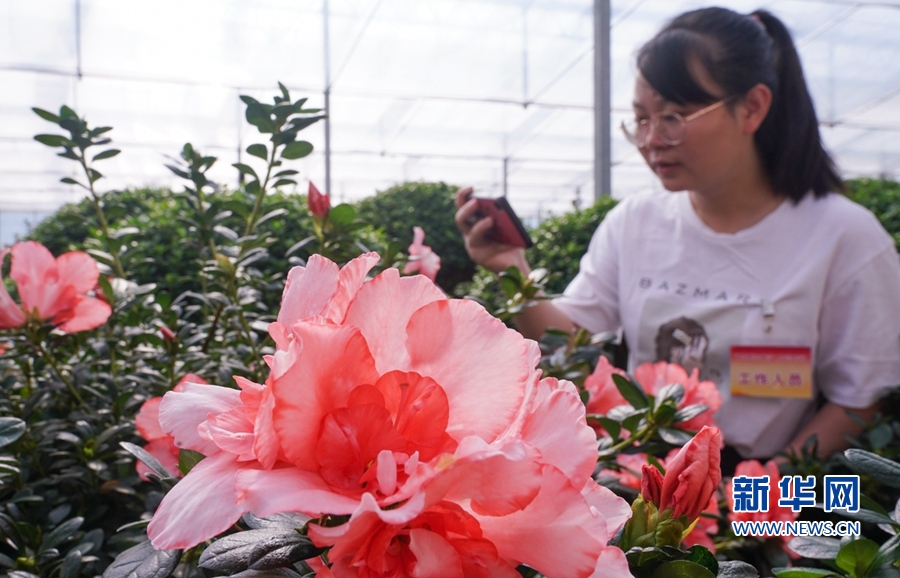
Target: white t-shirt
pixel 685 293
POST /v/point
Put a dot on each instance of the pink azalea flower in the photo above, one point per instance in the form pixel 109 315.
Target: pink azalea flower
pixel 160 445
pixel 776 513
pixel 319 204
pixel 692 476
pixel 390 403
pixel 52 289
pixel 421 257
pixel 603 394
pixel 653 377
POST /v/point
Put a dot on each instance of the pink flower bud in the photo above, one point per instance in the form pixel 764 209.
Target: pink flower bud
pixel 167 333
pixel 692 477
pixel 319 203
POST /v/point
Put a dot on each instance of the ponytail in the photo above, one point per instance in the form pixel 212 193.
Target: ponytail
pixel 788 139
pixel 740 52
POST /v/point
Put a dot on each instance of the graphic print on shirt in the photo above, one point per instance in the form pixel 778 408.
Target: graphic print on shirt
pixel 691 335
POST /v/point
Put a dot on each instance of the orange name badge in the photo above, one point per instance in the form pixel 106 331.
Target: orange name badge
pixel 766 371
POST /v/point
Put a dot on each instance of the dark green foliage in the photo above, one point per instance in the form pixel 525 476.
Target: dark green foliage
pixel 165 247
pixel 560 242
pixel 428 205
pixel 882 197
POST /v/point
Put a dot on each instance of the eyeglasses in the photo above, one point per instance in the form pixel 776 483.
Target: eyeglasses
pixel 669 126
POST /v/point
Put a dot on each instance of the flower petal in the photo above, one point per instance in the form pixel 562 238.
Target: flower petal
pixel 612 564
pixel 84 314
pixel 78 270
pixel 267 492
pixel 308 290
pixel 147 420
pixel 481 364
pixel 34 271
pixel 558 515
pixel 330 362
pixel 382 309
pixel 351 279
pixel 557 428
pixel 181 413
pixel 199 507
pixel 435 557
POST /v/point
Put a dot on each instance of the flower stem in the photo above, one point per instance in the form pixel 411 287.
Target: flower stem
pixel 55 365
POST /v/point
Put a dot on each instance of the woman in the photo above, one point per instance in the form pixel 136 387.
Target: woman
pixel 752 268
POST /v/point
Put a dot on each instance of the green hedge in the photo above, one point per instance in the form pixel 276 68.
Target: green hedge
pixel 395 211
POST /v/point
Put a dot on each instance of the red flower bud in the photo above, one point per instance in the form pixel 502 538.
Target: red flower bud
pixel 692 477
pixel 319 203
pixel 167 333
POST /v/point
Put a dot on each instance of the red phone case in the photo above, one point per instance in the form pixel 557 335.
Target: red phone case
pixel 507 226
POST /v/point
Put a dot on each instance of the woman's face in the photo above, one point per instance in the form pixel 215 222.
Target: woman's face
pixel 713 143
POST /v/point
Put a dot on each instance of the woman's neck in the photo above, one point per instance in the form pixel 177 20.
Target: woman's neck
pixel 738 204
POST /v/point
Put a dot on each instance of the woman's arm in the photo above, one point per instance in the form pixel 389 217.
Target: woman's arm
pixel 831 425
pixel 534 320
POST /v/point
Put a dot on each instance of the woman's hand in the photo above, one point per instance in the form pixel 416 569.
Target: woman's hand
pixel 495 256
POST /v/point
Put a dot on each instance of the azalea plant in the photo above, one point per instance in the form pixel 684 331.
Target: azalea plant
pixel 366 426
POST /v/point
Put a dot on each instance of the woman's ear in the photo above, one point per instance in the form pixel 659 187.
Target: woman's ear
pixel 754 107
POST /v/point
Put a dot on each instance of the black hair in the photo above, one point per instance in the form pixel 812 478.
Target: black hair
pixel 739 52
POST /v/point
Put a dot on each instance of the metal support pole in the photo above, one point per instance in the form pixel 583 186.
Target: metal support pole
pixel 326 54
pixel 505 174
pixel 602 100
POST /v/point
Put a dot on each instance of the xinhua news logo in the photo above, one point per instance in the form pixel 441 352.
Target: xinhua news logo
pixel 751 494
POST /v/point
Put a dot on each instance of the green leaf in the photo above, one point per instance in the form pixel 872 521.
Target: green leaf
pixel 283 182
pixel 610 425
pixel 342 214
pixel 700 555
pixel 689 412
pixel 284 92
pixel 11 429
pixel 882 469
pixel 66 112
pixel 71 564
pixel 286 173
pixel 248 99
pixel 149 461
pixel 855 557
pixel 61 533
pixel 46 115
pixel 95 132
pixel 674 436
pixel 142 561
pixel 259 151
pixel 681 569
pixel 509 285
pixel 673 391
pixel 888 553
pixel 632 392
pixel 284 521
pixel 246 169
pixel 187 459
pixel 258 550
pixel 803 573
pixel 296 150
pixel 736 569
pixel 108 154
pixel 52 140
pixel 815 547
pixel 258 115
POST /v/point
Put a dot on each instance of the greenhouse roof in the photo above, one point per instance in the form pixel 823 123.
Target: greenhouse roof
pixel 492 93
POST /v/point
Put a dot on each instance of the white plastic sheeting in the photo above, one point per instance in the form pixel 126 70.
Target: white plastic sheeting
pixel 481 92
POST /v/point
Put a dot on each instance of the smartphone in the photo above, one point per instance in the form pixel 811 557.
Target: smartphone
pixel 507 226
